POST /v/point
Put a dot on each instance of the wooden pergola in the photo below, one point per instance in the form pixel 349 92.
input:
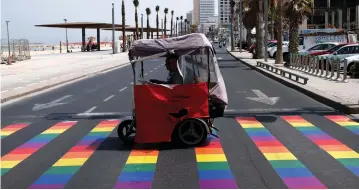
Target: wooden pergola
pixel 83 26
pixel 133 30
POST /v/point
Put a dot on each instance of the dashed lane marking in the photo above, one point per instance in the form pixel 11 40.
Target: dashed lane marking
pixel 108 98
pixel 91 109
pixel 122 89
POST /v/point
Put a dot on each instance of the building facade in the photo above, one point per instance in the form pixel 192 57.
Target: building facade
pixel 224 12
pixel 195 15
pixel 202 9
pixel 189 17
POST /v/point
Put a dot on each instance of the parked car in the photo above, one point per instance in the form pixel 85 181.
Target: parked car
pixel 341 53
pixel 253 47
pixel 319 48
pixel 350 62
pixel 273 50
pixel 329 51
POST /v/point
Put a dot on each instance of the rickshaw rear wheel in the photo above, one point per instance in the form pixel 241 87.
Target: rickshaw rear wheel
pixel 190 132
pixel 124 131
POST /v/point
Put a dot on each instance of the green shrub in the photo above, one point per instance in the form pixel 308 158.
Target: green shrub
pixel 355 70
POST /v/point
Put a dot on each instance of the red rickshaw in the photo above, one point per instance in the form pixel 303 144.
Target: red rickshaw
pixel 180 113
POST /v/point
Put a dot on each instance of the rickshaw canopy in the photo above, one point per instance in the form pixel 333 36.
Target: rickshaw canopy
pixel 180 45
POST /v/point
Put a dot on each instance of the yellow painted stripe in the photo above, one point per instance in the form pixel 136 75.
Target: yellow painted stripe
pixel 54 131
pixel 102 129
pixel 344 154
pixel 280 156
pixel 257 125
pixel 211 158
pixel 10 164
pixel 142 160
pixel 71 162
pixel 346 123
pixel 6 133
pixel 302 124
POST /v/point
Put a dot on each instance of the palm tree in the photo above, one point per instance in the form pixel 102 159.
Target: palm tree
pixel 148 12
pixel 185 26
pixel 166 12
pixel 172 12
pixel 188 27
pixel 176 26
pixel 232 3
pixel 157 22
pixel 279 53
pixel 136 3
pixel 296 11
pixel 259 31
pixel 181 17
pixel 123 26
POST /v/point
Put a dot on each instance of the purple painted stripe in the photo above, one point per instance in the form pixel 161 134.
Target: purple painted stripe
pixel 218 184
pixel 263 138
pixel 47 186
pixel 134 185
pixel 319 137
pixel 303 182
pixel 33 145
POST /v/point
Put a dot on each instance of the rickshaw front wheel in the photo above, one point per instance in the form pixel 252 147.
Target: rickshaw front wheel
pixel 126 131
pixel 190 132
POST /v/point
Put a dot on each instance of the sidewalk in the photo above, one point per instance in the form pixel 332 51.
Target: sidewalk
pixel 46 71
pixel 341 96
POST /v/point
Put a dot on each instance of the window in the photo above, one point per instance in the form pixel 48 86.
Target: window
pixel 346 50
pixel 316 47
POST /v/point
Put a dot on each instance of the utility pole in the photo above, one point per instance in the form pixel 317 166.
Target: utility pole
pixel 67 41
pixel 113 27
pixel 141 26
pixel 162 26
pixel 8 42
pixel 265 30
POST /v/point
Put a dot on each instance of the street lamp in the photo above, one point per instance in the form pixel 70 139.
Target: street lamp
pixel 8 42
pixel 162 26
pixel 141 26
pixel 113 27
pixel 67 41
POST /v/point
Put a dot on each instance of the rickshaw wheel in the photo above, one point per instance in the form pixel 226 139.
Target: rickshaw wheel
pixel 191 132
pixel 125 129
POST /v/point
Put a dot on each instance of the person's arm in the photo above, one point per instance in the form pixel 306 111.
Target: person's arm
pixel 158 81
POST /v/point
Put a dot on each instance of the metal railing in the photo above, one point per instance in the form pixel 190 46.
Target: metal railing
pixel 316 66
pixel 282 72
pixel 19 50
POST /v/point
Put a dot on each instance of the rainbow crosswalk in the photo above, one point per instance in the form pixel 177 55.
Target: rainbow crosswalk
pixel 214 171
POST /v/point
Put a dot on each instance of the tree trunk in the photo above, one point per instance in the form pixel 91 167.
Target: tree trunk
pixel 260 32
pixel 279 54
pixel 181 28
pixel 165 25
pixel 293 37
pixel 171 25
pixel 248 36
pixel 136 20
pixel 176 29
pixel 123 27
pixel 148 27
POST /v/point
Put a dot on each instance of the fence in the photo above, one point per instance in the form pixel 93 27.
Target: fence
pixel 331 69
pixel 19 50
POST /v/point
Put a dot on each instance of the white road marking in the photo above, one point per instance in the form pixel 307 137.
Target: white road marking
pixel 131 83
pixel 122 89
pixel 91 109
pixel 146 74
pixel 151 71
pixel 31 84
pixel 108 98
pixel 17 87
pixel 4 91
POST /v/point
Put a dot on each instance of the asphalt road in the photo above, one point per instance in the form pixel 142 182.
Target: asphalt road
pixel 271 137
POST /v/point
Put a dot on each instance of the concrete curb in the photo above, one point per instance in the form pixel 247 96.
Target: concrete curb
pixel 60 83
pixel 348 109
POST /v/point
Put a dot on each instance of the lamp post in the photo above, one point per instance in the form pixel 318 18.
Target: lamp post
pixel 113 27
pixel 67 41
pixel 141 26
pixel 8 42
pixel 162 26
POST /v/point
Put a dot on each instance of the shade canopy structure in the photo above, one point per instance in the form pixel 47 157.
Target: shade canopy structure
pixel 83 26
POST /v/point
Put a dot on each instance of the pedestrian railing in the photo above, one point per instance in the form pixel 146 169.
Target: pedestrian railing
pixel 316 66
pixel 287 74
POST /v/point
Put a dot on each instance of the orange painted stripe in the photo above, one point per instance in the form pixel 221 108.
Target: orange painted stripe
pixel 144 153
pixel 209 151
pixel 335 148
pixel 78 154
pixel 11 157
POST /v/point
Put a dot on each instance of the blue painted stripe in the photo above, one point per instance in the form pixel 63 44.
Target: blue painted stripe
pixel 136 176
pixel 215 174
pixel 293 172
pixel 54 179
pixel 354 169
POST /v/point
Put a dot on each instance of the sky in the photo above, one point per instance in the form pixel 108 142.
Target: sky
pixel 24 14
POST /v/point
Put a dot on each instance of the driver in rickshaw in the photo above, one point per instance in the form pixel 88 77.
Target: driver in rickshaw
pixel 174 75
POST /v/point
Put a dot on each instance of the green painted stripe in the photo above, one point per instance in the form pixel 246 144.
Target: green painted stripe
pixel 352 127
pixel 349 161
pixel 286 164
pixel 63 170
pixel 5 170
pixel 312 128
pixel 213 166
pixel 47 136
pixel 139 167
pixel 98 134
pixel 255 129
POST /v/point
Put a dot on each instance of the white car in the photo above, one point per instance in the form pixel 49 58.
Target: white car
pixel 350 61
pixel 273 50
pixel 320 47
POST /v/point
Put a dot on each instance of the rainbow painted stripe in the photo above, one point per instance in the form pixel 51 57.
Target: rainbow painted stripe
pixel 24 151
pixel 8 130
pixel 139 169
pixel 293 173
pixel 345 122
pixel 348 157
pixel 213 169
pixel 57 176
